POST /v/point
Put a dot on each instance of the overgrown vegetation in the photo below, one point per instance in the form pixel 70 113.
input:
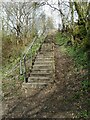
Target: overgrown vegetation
pixel 22 21
pixel 19 27
pixel 15 79
pixel 79 56
pixel 11 52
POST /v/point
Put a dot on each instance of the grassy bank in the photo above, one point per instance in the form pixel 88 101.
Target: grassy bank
pixel 12 82
pixel 79 56
pixel 77 53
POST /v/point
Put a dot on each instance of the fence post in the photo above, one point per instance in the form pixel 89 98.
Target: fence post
pixel 21 72
pixel 31 56
pixel 25 69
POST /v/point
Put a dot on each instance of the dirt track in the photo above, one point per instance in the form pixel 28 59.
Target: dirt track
pixel 58 100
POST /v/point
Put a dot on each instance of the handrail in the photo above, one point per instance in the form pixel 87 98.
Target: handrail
pixel 20 61
pixel 23 60
pixel 30 47
pixel 23 70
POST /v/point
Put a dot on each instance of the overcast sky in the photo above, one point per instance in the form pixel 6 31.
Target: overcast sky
pixel 53 1
pixel 47 9
pixel 49 12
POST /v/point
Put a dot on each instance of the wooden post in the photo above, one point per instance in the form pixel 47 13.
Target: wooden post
pixel 31 56
pixel 21 72
pixel 88 46
pixel 25 69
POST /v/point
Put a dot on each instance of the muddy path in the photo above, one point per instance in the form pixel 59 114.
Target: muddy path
pixel 60 99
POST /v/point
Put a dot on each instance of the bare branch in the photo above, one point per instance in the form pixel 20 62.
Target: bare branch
pixel 55 8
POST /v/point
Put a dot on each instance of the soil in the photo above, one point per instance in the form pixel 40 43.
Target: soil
pixel 61 99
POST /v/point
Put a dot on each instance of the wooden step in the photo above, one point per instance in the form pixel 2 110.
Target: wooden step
pixel 30 89
pixel 40 81
pixel 42 66
pixel 38 78
pixel 40 74
pixel 46 52
pixel 44 58
pixel 44 62
pixel 34 85
pixel 42 69
pixel 47 46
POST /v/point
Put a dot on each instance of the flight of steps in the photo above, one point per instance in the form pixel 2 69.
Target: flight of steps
pixel 43 71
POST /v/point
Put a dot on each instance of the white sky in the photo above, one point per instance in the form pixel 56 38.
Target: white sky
pixel 53 1
pixel 48 10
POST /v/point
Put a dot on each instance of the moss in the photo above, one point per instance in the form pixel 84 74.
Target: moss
pixel 76 30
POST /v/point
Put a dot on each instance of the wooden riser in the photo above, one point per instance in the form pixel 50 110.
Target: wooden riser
pixel 43 69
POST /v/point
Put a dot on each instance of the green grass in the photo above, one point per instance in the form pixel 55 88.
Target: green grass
pixel 85 85
pixel 61 39
pixel 79 56
pixel 77 53
pixel 83 114
pixel 35 47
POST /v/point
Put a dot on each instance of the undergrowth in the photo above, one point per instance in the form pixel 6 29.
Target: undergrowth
pixel 79 56
pixel 77 53
pixel 12 81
